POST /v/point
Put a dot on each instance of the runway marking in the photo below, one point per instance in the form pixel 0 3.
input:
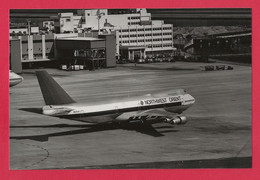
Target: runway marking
pixel 37 146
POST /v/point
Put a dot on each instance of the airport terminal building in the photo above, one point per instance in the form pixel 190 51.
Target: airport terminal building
pixel 136 30
pixel 128 34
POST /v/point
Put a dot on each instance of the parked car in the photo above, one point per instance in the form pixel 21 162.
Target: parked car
pixel 149 59
pixel 158 59
pixel 141 61
pixel 220 67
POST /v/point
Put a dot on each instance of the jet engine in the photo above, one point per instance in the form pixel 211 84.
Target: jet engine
pixel 177 120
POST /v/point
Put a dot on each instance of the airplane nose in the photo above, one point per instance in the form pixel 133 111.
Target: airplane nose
pixel 188 99
pixel 192 98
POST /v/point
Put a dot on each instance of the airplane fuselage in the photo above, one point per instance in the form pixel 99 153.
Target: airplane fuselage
pixel 175 104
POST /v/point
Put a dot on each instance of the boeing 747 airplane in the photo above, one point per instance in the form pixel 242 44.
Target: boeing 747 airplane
pixel 147 110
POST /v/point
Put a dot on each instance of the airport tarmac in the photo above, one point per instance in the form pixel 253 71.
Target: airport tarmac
pixel 218 134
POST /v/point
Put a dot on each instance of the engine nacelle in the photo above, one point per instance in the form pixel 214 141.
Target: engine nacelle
pixel 177 120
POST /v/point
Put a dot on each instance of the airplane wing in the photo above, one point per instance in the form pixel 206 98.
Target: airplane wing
pixel 147 117
pixel 152 116
pixel 158 115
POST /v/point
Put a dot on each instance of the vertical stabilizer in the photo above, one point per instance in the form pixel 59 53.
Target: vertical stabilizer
pixel 52 92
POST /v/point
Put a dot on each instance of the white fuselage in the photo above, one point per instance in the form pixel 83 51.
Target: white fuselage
pixel 175 103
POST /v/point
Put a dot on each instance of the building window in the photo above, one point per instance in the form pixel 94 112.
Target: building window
pixel 167 39
pixel 168 33
pixel 134 23
pixel 155 29
pixel 167 45
pixel 157 34
pixel 135 17
pixel 167 28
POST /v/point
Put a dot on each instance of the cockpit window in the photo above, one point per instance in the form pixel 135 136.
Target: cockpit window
pixel 178 92
pixel 182 91
pixel 173 94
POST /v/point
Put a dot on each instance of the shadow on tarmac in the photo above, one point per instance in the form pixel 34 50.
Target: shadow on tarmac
pixel 233 162
pixel 32 110
pixel 138 127
pixel 55 74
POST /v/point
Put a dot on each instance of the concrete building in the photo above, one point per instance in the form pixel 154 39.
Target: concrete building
pixel 26 50
pixel 91 52
pixel 33 30
pixel 62 49
pixel 135 29
pixel 49 25
pixel 232 45
pixel 128 33
pixel 67 22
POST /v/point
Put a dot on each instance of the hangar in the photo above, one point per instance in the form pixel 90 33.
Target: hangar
pixel 237 45
pixel 68 49
pixel 91 52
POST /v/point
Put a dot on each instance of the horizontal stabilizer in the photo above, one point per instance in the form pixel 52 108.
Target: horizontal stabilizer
pixel 52 92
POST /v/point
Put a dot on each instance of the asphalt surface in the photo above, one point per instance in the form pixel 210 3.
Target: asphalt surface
pixel 218 134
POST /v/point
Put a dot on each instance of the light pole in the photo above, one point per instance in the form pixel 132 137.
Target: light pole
pixel 99 15
pixel 29 27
